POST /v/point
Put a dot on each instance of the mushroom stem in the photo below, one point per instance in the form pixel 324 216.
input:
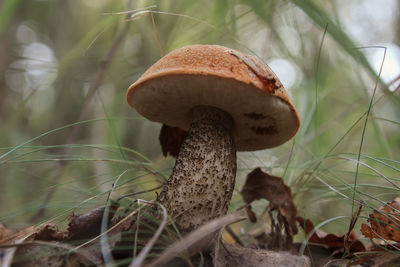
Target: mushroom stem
pixel 202 181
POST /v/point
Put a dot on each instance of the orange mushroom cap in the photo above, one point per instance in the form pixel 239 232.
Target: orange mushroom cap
pixel 221 77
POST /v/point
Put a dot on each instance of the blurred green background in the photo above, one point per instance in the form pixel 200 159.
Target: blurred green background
pixel 68 138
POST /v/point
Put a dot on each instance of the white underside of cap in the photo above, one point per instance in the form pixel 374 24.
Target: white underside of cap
pixel 261 119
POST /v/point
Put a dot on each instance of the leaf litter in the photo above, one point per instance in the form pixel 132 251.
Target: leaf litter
pixel 130 231
pixel 262 185
pixel 384 223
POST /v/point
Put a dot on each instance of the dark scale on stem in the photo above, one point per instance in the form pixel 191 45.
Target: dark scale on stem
pixel 205 167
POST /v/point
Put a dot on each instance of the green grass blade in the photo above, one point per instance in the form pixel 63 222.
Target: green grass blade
pixel 6 12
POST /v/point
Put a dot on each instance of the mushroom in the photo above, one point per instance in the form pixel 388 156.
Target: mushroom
pixel 227 101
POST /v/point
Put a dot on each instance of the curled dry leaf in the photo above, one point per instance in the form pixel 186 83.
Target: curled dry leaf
pixel 171 139
pixel 330 241
pixel 384 222
pixel 50 232
pixel 87 225
pixel 262 185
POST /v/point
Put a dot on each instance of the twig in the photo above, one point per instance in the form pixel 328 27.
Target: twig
pixel 353 222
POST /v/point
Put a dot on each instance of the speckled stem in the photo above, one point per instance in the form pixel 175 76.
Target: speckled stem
pixel 201 184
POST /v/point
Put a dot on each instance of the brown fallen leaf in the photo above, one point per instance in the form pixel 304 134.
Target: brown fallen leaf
pixel 20 248
pixel 379 255
pixel 5 232
pixel 384 222
pixel 171 139
pixel 36 246
pixel 262 185
pixel 88 225
pixel 330 241
pixel 44 244
pixel 50 232
pixel 7 254
pixel 376 259
pixel 34 255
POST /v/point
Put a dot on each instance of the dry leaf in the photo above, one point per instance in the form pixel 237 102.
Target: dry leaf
pixel 32 251
pixel 5 232
pixel 87 225
pixel 40 255
pixel 376 259
pixel 384 222
pixel 49 232
pixel 171 139
pixel 262 185
pixel 330 241
pixel 379 255
pixel 7 254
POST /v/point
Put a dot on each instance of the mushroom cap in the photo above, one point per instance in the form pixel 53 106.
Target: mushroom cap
pixel 221 77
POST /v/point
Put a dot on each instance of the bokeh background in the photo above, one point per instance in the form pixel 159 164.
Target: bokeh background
pixel 69 140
